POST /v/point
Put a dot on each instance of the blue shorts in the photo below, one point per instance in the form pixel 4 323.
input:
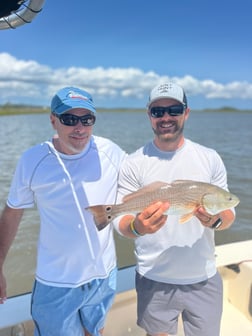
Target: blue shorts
pixel 160 304
pixel 60 311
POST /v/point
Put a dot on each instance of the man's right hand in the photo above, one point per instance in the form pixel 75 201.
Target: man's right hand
pixel 152 218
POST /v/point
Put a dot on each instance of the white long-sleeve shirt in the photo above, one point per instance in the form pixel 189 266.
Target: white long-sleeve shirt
pixel 177 253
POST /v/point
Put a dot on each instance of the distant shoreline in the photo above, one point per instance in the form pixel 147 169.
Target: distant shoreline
pixel 19 109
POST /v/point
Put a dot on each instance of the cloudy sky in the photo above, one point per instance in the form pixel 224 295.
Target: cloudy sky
pixel 119 50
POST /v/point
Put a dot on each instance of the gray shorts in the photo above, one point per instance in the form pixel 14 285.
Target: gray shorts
pixel 200 305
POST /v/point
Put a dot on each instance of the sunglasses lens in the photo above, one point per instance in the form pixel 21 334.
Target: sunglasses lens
pixel 72 120
pixel 88 120
pixel 159 111
pixel 176 110
pixel 69 119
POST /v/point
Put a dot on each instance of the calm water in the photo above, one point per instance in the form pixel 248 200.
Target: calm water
pixel 229 133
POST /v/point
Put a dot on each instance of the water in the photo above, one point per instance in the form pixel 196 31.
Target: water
pixel 229 133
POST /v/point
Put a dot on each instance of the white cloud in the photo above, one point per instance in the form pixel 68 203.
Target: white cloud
pixel 30 82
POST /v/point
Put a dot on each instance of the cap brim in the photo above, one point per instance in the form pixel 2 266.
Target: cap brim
pixel 67 106
pixel 164 97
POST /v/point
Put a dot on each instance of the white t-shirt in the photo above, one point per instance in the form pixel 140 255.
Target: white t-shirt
pixel 177 253
pixel 71 251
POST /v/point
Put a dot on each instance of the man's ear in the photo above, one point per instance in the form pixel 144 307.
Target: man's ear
pixel 53 120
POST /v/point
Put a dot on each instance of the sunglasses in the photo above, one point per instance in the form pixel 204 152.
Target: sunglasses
pixel 174 110
pixel 72 120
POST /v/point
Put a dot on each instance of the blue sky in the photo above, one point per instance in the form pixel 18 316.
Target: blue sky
pixel 119 50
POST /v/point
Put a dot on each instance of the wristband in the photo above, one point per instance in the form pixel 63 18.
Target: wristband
pixel 217 224
pixel 133 230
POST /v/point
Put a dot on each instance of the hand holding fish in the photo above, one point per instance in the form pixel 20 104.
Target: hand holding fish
pixel 205 218
pixel 151 219
pixel 221 220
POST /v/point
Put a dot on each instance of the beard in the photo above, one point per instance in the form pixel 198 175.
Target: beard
pixel 168 134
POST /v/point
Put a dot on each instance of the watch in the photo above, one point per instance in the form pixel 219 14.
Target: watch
pixel 217 224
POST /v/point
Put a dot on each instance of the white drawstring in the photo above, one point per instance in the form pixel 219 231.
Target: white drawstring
pixel 75 197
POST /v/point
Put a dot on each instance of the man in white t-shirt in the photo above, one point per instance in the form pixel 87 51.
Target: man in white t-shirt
pixel 176 272
pixel 76 265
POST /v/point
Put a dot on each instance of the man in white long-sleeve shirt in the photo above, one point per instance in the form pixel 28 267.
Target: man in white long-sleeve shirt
pixel 76 265
pixel 176 271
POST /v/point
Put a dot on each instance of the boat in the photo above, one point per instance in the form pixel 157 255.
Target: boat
pixel 234 262
pixel 14 13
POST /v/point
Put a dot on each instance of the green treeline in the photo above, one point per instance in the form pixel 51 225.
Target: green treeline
pixel 9 109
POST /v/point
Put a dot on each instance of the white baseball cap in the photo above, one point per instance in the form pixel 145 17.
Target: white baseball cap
pixel 167 90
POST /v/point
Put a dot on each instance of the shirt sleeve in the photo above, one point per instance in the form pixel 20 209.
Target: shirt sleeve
pixel 20 194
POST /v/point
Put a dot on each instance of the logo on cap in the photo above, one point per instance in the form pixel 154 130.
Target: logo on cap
pixel 165 87
pixel 75 95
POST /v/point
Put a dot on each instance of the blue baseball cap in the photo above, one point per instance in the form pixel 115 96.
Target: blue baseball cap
pixel 69 98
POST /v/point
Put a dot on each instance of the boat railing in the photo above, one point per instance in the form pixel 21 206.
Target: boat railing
pixel 17 308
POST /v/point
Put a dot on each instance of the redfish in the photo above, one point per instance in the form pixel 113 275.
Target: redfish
pixel 184 196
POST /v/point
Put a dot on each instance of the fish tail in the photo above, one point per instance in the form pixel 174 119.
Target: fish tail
pixel 102 215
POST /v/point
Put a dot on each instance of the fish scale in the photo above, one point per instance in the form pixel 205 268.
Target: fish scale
pixel 163 194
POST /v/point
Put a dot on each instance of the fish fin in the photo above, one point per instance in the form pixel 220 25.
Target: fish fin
pixel 186 218
pixel 102 215
pixel 210 203
pixel 150 188
pixel 184 181
pixel 178 181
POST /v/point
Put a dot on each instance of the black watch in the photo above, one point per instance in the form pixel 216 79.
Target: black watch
pixel 217 224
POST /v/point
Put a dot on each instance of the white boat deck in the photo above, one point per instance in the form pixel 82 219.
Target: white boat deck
pixel 237 300
pixel 122 320
pixel 237 312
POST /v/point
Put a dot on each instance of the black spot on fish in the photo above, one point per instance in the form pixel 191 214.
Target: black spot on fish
pixel 108 208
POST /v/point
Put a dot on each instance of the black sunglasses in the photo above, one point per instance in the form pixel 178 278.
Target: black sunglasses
pixel 174 110
pixel 68 119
